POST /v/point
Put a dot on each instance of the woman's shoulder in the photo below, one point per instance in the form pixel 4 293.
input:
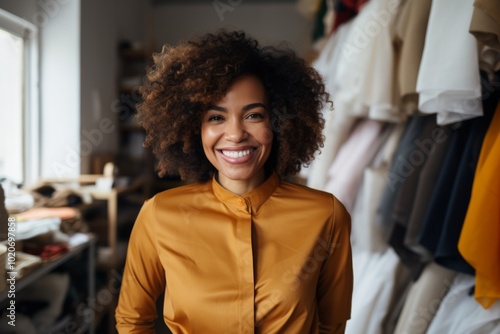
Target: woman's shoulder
pixel 305 193
pixel 316 201
pixel 183 192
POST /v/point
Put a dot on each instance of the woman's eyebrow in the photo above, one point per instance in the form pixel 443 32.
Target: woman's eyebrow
pixel 218 108
pixel 245 108
pixel 254 105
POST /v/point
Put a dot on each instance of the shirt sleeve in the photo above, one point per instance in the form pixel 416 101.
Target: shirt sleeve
pixel 143 277
pixel 334 291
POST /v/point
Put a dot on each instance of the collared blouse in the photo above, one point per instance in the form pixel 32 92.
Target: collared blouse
pixel 276 260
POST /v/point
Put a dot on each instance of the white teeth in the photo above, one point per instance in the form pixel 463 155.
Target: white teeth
pixel 236 154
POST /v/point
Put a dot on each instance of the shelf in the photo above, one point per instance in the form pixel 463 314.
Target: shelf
pixel 47 267
pixel 133 159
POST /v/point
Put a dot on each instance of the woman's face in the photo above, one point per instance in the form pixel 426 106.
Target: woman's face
pixel 236 133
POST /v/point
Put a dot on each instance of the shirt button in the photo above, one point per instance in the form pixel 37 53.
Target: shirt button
pixel 241 202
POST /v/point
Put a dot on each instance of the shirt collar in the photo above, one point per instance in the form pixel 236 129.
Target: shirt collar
pixel 250 202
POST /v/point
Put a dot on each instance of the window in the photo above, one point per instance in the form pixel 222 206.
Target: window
pixel 18 99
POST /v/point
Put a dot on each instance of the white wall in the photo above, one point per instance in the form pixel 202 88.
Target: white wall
pixel 270 23
pixel 60 90
pixel 98 79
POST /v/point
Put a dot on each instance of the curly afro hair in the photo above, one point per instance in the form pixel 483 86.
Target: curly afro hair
pixel 187 79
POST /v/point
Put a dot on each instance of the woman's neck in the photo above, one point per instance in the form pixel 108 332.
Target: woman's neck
pixel 241 187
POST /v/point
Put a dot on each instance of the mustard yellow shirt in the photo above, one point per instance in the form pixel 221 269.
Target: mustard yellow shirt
pixel 479 241
pixel 276 260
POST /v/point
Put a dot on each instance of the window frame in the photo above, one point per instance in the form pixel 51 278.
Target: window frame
pixel 31 99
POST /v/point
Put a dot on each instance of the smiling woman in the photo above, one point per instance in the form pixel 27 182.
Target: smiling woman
pixel 239 250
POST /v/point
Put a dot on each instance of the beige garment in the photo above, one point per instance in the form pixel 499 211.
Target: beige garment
pixel 485 28
pixel 490 7
pixel 410 37
pixel 424 299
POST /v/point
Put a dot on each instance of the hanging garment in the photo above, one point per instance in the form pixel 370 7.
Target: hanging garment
pixel 423 191
pixel 490 7
pixel 485 28
pixel 424 298
pixel 338 124
pixel 336 131
pixel 346 10
pixel 368 238
pixel 378 280
pixel 356 153
pixel 366 234
pixel 401 168
pixel 366 85
pixel 448 205
pixel 447 84
pixel 410 39
pixel 482 221
pixel 415 157
pixel 460 314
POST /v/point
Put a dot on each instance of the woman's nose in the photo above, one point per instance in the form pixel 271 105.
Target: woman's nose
pixel 235 131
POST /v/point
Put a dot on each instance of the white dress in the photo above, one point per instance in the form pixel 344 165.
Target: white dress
pixel 448 80
pixel 337 124
pixel 459 313
pixel 378 278
pixel 365 86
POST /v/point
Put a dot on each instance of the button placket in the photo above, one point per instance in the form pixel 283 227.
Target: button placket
pixel 246 274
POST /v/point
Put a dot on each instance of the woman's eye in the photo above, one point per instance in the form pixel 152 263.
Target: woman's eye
pixel 215 118
pixel 255 116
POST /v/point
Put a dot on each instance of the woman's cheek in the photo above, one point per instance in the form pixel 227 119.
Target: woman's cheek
pixel 266 135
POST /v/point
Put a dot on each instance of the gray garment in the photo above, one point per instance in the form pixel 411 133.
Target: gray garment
pixel 416 155
pixel 397 172
pixel 424 188
pixel 419 143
